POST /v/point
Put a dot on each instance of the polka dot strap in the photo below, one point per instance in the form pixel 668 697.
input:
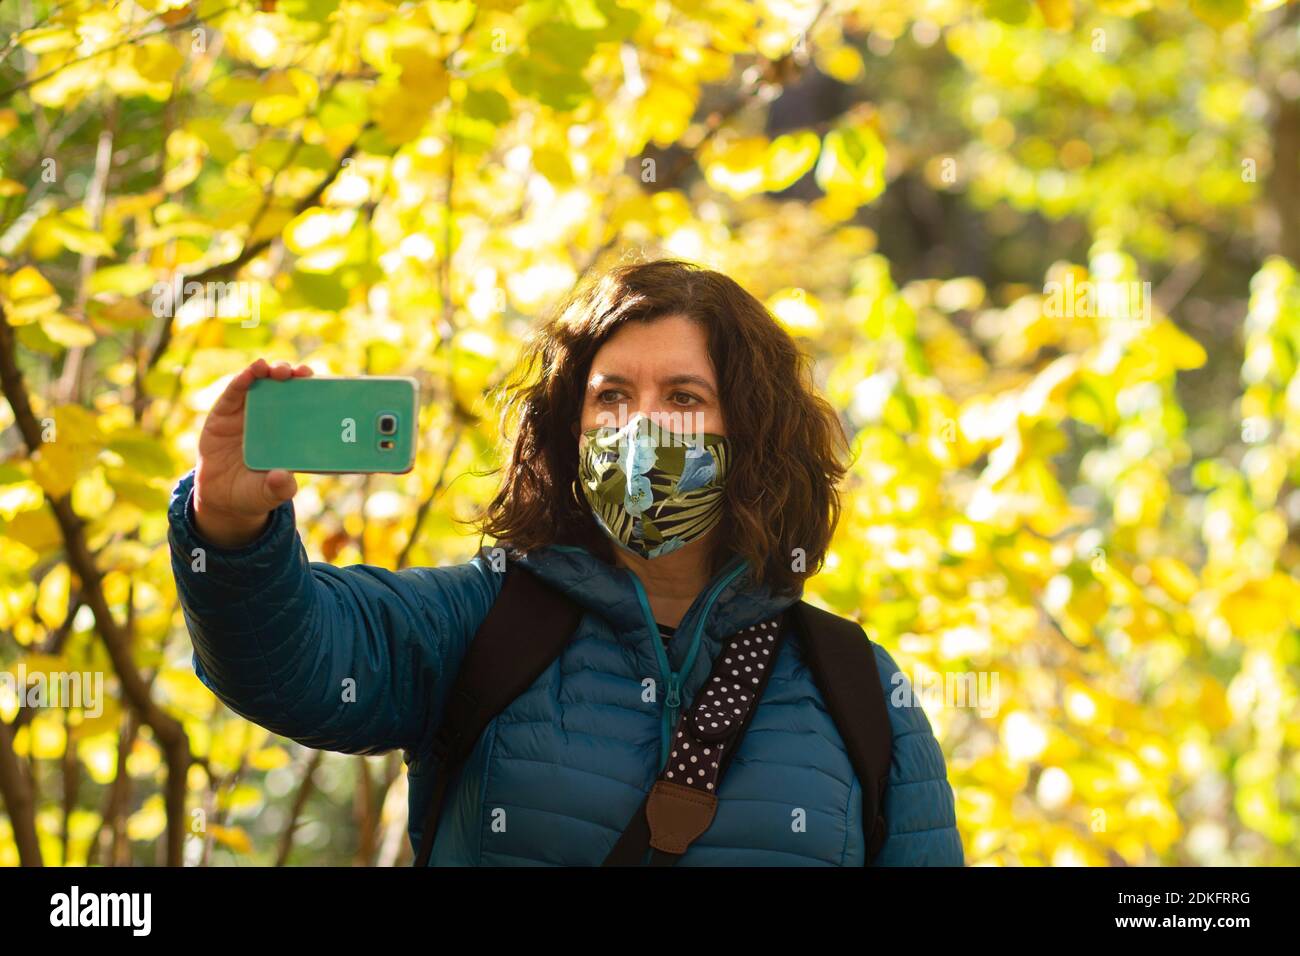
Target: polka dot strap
pixel 723 706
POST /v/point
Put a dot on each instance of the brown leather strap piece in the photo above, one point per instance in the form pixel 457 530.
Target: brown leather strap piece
pixel 678 814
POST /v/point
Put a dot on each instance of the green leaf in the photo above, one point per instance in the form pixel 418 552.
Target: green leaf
pixel 321 290
pixel 1009 11
pixel 143 454
pixel 560 48
pixel 1221 13
pixel 487 105
pixel 311 11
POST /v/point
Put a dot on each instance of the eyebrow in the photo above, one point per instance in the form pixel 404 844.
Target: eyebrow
pixel 601 379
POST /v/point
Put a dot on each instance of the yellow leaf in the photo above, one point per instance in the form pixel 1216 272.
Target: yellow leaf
pixel 157 60
pixel 127 312
pixel 70 441
pixel 735 167
pixel 1058 14
pixel 76 238
pixel 180 688
pixel 143 760
pixel 318 227
pixel 1257 611
pixel 666 111
pixel 1175 347
pixel 788 158
pixel 29 295
pixel 245 798
pixel 67 331
pixel 36 529
pixel 422 72
pixel 19 494
pixel 1176 578
pixel 99 754
pixel 27 283
pixel 47 39
pixel 852 164
pixel 52 600
pixel 233 837
pixel 130 278
pixel 554 165
pixel 93 725
pixel 277 110
pixel 149 821
pixel 48 738
pixel 799 312
pixel 451 16
pixel 269 758
pixel 844 63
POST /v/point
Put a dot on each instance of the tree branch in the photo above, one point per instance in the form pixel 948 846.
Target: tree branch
pixel 16 788
pixel 169 731
pixel 250 251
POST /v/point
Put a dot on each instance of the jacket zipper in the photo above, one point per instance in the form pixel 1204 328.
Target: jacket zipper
pixel 673 679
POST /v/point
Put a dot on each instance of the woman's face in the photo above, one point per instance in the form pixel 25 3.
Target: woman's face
pixel 661 369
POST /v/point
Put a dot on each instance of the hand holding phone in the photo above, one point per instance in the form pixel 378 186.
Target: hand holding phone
pixel 272 421
pixel 232 501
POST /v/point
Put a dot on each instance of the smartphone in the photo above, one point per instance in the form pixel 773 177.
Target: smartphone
pixel 330 425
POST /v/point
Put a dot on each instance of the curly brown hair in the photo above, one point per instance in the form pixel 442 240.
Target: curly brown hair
pixel 781 496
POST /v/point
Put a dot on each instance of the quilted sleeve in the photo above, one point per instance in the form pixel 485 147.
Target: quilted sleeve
pixel 919 807
pixel 357 660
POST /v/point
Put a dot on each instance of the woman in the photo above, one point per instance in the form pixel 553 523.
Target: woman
pixel 672 470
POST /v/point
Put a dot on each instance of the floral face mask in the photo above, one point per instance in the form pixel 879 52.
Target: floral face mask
pixel 653 490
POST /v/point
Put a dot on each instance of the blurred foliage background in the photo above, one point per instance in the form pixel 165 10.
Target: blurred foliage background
pixel 1100 506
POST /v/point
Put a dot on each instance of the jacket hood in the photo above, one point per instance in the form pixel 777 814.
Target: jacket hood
pixel 732 600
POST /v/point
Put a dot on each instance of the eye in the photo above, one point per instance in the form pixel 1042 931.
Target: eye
pixel 689 399
pixel 604 396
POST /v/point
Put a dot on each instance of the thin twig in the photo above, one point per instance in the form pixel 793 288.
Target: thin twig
pixel 300 799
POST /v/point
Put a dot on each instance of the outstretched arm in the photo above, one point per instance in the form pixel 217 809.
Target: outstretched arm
pixel 353 659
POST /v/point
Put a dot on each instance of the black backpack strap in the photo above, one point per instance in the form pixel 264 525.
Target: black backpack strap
pixel 843 664
pixel 525 630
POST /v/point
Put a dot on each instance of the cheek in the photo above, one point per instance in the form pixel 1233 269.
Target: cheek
pixel 708 420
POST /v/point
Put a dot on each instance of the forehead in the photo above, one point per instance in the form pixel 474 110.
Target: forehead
pixel 669 346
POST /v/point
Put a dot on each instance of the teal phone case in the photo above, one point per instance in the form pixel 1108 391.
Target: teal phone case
pixel 331 425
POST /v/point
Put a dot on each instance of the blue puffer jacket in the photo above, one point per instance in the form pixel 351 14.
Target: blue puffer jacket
pixel 360 660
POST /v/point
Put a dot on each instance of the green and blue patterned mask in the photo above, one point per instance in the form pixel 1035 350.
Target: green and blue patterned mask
pixel 653 490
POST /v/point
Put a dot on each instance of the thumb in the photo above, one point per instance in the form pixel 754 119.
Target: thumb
pixel 280 485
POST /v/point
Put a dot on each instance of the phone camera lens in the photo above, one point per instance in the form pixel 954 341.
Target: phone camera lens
pixel 387 424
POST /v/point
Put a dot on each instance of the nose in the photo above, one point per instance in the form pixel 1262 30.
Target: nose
pixel 662 421
pixel 652 410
